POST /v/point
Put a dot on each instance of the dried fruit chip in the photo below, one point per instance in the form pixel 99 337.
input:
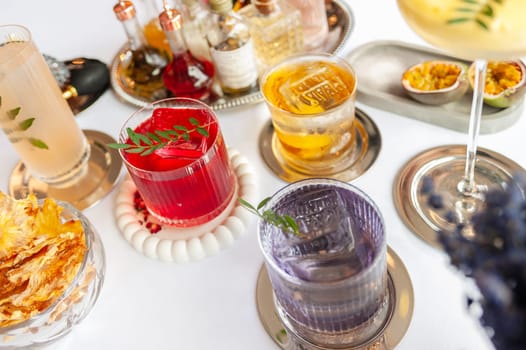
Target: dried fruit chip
pixel 40 255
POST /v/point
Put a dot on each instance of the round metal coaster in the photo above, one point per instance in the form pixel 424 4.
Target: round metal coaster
pixel 401 309
pixel 445 166
pixel 103 172
pixel 365 151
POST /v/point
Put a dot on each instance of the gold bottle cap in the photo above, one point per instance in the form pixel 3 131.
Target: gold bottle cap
pixel 124 10
pixel 265 7
pixel 170 20
pixel 220 6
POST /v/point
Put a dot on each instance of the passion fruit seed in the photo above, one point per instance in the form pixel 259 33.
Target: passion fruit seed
pixel 436 82
pixel 505 83
pixel 430 76
pixel 501 76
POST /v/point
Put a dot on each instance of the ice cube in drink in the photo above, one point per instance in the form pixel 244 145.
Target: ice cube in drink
pixel 327 249
pixel 315 88
pixel 311 102
pixel 189 181
pixel 332 280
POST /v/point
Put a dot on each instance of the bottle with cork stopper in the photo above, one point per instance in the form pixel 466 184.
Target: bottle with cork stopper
pixel 141 66
pixel 185 75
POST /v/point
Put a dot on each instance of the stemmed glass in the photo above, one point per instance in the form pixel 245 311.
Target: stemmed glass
pixel 473 30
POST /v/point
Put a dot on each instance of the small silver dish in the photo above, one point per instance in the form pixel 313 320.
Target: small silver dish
pixel 379 66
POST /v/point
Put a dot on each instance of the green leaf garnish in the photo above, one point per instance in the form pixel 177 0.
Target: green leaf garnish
pixel 118 145
pixel 38 143
pixel 280 335
pixel 480 12
pixel 12 113
pixel 145 144
pixel 482 24
pixel 284 222
pixel 26 124
pixel 23 126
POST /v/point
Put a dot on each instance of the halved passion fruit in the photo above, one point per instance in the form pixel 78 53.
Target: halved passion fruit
pixel 436 82
pixel 505 82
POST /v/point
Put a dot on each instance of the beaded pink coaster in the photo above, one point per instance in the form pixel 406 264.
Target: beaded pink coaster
pixel 181 245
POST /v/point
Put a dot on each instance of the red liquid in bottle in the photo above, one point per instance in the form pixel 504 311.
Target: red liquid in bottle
pixel 187 76
pixel 185 183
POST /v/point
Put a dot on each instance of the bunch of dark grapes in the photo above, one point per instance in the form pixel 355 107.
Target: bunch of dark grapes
pixel 495 258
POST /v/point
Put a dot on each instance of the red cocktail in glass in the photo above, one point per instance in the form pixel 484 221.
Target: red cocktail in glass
pixel 178 160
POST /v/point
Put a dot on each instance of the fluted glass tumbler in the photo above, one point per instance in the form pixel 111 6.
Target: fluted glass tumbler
pixel 311 99
pixel 330 282
pixel 179 162
pixel 33 114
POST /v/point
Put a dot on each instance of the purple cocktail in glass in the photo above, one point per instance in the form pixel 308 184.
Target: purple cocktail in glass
pixel 330 283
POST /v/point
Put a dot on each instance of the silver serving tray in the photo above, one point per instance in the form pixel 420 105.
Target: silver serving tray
pixel 379 66
pixel 341 24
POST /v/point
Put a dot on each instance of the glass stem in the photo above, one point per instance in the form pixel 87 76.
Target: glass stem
pixel 467 185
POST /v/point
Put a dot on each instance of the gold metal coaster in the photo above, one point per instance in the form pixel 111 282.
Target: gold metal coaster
pixel 103 172
pixel 364 153
pixel 445 166
pixel 401 308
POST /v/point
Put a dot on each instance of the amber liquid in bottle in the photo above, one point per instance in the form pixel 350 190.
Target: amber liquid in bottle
pixel 156 38
pixel 141 66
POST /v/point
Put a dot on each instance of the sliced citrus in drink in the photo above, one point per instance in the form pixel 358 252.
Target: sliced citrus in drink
pixel 306 146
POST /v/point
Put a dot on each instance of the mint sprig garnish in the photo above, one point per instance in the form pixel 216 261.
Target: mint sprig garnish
pixel 22 126
pixel 145 144
pixel 480 12
pixel 284 222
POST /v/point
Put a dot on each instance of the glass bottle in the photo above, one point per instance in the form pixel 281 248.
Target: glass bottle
pixel 314 21
pixel 153 32
pixel 141 65
pixel 185 75
pixel 276 30
pixel 231 48
pixel 194 29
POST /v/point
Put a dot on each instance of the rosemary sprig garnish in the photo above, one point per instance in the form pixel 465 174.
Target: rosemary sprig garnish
pixel 145 144
pixel 480 12
pixel 25 124
pixel 284 222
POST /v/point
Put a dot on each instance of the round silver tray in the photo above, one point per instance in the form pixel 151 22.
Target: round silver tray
pixel 400 313
pixel 341 24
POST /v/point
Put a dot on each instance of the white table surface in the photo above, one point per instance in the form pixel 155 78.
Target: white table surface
pixel 147 304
